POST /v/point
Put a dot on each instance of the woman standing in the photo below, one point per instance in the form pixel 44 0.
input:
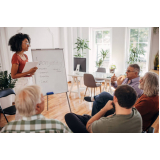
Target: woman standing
pixel 20 43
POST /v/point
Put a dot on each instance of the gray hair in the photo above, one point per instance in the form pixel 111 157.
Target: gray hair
pixel 27 99
pixel 136 67
pixel 151 84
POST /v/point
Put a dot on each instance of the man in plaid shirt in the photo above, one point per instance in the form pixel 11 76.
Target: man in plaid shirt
pixel 30 104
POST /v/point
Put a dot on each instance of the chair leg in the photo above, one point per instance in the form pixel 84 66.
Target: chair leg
pixel 5 116
pixel 85 92
pixel 100 89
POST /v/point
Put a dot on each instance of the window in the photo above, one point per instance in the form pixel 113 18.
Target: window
pixel 101 39
pixel 139 38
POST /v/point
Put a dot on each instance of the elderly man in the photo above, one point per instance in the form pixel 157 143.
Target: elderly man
pixel 148 103
pixel 30 104
pixel 125 120
pixel 132 79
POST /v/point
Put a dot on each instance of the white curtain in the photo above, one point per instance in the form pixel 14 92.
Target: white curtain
pixel 5 55
pixel 68 36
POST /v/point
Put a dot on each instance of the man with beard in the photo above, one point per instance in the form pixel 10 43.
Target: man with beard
pixel 148 103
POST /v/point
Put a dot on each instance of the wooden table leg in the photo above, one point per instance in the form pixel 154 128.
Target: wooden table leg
pixel 73 80
pixel 78 87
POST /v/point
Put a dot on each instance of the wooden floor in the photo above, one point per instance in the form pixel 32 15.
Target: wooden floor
pixel 58 107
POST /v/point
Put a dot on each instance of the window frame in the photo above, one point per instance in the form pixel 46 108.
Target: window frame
pixel 128 46
pixel 95 54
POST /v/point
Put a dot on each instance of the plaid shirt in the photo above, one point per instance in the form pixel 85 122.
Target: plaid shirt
pixel 35 124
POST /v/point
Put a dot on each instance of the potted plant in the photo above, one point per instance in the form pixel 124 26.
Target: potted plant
pixel 112 68
pixel 134 56
pixel 6 81
pixel 102 57
pixel 156 61
pixel 81 44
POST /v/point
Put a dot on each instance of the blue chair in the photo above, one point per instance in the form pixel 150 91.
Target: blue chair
pixel 11 110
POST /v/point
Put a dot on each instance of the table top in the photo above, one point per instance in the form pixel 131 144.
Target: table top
pixel 97 75
pixel 155 71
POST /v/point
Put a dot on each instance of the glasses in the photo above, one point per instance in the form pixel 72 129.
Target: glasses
pixel 27 43
pixel 129 71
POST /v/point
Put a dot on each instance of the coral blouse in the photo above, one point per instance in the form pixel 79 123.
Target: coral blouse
pixel 16 59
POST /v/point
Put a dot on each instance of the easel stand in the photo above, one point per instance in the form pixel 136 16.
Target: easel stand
pixel 49 93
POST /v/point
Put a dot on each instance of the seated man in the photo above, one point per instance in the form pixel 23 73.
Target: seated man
pixel 125 120
pixel 132 79
pixel 148 103
pixel 30 104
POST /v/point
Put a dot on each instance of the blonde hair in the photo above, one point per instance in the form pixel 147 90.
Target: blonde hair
pixel 151 84
pixel 27 99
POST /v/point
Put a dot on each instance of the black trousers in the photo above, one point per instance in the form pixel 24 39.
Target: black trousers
pixel 77 123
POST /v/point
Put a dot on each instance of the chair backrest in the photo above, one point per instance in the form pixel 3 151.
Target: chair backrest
pixel 154 119
pixel 101 70
pixel 6 92
pixel 89 80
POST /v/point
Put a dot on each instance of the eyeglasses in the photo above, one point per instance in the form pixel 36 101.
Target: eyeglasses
pixel 129 71
pixel 27 43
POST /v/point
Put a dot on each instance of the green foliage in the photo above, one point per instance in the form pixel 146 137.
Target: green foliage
pixel 99 63
pixel 134 56
pixel 6 80
pixel 103 56
pixel 156 60
pixel 113 66
pixel 80 46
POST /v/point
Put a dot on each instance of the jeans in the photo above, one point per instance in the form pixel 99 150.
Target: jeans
pixel 77 123
pixel 100 102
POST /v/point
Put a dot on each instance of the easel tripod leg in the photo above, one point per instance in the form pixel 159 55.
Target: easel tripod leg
pixel 68 102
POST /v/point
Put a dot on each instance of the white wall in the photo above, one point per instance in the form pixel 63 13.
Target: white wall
pixel 118 49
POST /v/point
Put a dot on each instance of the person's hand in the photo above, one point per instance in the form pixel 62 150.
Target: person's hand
pixel 32 70
pixel 113 78
pixel 120 80
pixel 108 106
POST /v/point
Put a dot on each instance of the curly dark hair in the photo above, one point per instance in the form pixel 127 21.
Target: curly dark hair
pixel 15 42
pixel 126 96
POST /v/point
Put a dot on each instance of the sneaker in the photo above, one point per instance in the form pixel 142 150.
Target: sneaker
pixel 88 99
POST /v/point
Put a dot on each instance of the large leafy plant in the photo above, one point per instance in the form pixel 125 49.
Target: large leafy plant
pixel 81 44
pixel 102 57
pixel 134 56
pixel 6 80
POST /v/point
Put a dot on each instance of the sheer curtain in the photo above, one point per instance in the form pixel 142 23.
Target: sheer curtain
pixel 5 55
pixel 68 36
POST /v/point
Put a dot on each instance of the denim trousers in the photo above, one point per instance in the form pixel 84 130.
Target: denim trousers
pixel 100 102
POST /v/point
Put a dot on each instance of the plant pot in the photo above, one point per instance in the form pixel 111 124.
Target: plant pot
pixel 155 68
pixel 112 70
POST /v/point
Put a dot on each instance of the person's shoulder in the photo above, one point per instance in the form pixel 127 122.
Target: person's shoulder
pixel 136 112
pixel 9 126
pixel 15 56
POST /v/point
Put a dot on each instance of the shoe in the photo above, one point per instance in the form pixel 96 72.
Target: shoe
pixel 88 99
